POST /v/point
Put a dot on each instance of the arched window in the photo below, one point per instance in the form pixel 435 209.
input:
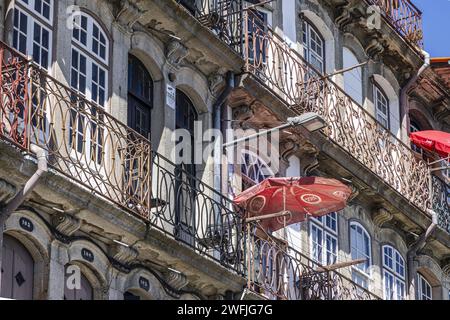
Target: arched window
pixel 140 96
pixel 253 169
pixel 352 78
pixel 324 239
pixel 89 77
pixel 17 270
pixel 381 102
pixel 360 246
pixel 394 274
pixel 77 289
pixel 32 29
pixel 424 290
pixel 313 46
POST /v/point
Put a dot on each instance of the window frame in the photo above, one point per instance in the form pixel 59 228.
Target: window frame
pixel 261 163
pixel 307 49
pixel 321 225
pixel 88 48
pixel 420 292
pixel 377 90
pixel 386 270
pixel 367 276
pixel 91 59
pixel 30 6
pixel 33 19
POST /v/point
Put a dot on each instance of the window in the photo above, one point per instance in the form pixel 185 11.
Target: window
pixel 324 239
pixel 381 106
pixel 257 26
pixel 32 33
pixel 313 46
pixel 140 96
pixel 414 127
pixel 352 78
pixel 393 274
pixel 423 288
pixel 360 246
pixel 89 77
pixel 254 170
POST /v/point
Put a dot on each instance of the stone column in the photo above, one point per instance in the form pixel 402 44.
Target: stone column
pixel 58 260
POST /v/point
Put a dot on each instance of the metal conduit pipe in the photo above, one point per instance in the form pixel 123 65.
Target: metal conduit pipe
pixel 12 205
pixel 416 247
pixel 404 103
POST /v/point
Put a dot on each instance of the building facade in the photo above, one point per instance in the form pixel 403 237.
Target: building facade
pixel 99 95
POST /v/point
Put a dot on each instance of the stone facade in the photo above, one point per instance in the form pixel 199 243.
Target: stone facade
pixel 121 255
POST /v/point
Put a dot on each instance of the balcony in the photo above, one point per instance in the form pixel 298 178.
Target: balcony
pixel 102 155
pixel 404 17
pixel 285 274
pixel 92 149
pixel 225 17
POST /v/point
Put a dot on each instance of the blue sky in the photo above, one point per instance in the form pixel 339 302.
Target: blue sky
pixel 436 16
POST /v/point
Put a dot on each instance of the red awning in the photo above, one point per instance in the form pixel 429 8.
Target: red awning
pixel 434 141
pixel 313 196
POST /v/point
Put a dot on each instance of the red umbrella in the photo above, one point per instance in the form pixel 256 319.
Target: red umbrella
pixel 434 141
pixel 278 202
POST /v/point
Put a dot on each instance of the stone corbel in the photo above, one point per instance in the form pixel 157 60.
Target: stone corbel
pixel 176 280
pixel 309 158
pixel 380 216
pixel 66 224
pixel 124 255
pixel 176 52
pixel 375 47
pixel 215 81
pixel 128 14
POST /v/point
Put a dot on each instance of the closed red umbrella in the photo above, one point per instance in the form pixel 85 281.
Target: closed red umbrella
pixel 300 197
pixel 434 141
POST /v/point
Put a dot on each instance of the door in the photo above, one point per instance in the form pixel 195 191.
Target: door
pixel 84 292
pixel 140 103
pixel 140 97
pixel 185 184
pixel 17 271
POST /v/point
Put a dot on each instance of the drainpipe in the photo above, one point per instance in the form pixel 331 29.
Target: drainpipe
pixel 12 205
pixel 217 124
pixel 416 247
pixel 404 103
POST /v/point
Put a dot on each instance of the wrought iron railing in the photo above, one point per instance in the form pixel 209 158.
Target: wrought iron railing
pixel 405 17
pixel 83 141
pixel 92 148
pixel 285 72
pixel 196 214
pixel 223 17
pixel 284 273
pixel 441 202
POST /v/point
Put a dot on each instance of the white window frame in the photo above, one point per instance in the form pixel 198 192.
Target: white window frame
pixel 91 59
pixel 380 97
pixel 31 22
pixel 421 294
pixel 397 277
pixel 90 37
pixel 308 53
pixel 365 275
pixel 30 6
pixel 320 224
pixel 255 162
